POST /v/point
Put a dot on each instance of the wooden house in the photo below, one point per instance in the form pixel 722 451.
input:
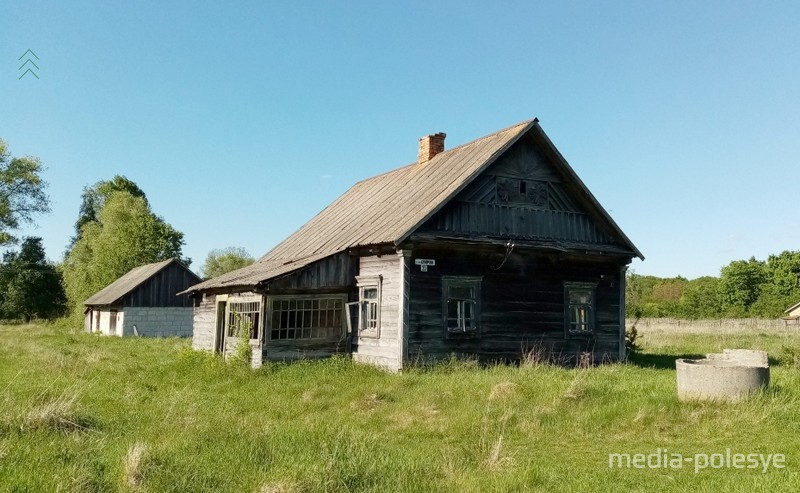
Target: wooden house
pixel 144 302
pixel 489 249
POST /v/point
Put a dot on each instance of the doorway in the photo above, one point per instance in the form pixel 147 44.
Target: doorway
pixel 219 336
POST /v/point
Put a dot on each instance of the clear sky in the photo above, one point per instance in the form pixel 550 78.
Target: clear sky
pixel 241 120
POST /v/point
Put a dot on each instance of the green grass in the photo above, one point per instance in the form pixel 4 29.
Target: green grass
pixel 84 413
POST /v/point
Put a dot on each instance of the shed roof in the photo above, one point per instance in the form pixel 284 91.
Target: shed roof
pixel 791 308
pixel 128 282
pixel 387 208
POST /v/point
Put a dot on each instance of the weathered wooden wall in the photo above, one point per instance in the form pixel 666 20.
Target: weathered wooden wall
pixel 493 204
pixel 204 322
pixel 506 221
pixel 386 350
pixel 162 288
pixel 336 273
pixel 522 305
pixel 304 349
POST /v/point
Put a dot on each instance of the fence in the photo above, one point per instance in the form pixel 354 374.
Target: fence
pixel 723 325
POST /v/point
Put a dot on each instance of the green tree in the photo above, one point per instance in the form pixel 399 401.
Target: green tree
pixel 740 285
pixel 21 192
pixel 651 296
pixel 95 197
pixel 30 287
pixel 745 288
pixel 641 300
pixel 222 261
pixel 781 287
pixel 783 272
pixel 667 294
pixel 701 298
pixel 125 235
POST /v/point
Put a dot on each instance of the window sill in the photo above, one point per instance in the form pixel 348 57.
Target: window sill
pixel 580 335
pixel 236 340
pixel 473 334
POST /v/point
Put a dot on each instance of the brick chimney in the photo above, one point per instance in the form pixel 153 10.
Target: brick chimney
pixel 429 146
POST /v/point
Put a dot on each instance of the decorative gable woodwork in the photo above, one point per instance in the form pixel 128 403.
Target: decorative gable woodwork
pixel 520 196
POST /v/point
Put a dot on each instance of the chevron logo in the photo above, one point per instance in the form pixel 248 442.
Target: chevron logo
pixel 29 63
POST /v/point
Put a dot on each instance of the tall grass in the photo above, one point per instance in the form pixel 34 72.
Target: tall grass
pixel 85 413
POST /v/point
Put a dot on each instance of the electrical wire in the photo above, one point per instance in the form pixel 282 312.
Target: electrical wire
pixel 509 249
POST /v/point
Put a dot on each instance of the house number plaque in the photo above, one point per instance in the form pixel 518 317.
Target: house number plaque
pixel 424 263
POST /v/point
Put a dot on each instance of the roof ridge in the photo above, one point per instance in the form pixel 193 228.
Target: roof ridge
pixel 456 148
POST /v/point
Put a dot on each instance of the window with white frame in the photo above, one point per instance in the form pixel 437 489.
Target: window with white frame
pixel 369 306
pixel 579 300
pixel 318 317
pixel 244 315
pixel 461 303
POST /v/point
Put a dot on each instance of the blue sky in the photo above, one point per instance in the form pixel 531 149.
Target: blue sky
pixel 241 120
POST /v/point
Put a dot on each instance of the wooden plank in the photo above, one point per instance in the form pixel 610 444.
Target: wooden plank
pixel 518 310
pixel 389 345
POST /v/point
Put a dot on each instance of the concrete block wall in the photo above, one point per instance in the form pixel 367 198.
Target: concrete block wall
pixel 158 322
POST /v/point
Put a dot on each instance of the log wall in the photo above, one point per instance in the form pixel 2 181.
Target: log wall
pixel 522 306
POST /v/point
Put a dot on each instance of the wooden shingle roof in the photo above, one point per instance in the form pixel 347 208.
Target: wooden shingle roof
pixel 127 283
pixel 384 209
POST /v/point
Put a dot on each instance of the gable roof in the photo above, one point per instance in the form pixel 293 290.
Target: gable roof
pixel 130 281
pixel 791 308
pixel 387 208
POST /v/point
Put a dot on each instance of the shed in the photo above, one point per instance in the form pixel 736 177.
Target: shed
pixel 792 314
pixel 144 302
pixel 491 249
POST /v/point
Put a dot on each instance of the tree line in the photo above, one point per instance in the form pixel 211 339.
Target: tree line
pixel 744 288
pixel 116 230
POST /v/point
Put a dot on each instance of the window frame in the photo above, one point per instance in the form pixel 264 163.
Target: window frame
pixel 462 331
pixel 590 322
pixel 270 315
pixel 363 283
pixel 233 300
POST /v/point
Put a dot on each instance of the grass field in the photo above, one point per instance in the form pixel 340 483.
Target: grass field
pixel 84 413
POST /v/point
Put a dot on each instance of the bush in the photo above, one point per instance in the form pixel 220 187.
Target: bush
pixel 631 335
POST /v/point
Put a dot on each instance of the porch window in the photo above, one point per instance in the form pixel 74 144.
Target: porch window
pixel 306 318
pixel 244 315
pixel 461 298
pixel 579 300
